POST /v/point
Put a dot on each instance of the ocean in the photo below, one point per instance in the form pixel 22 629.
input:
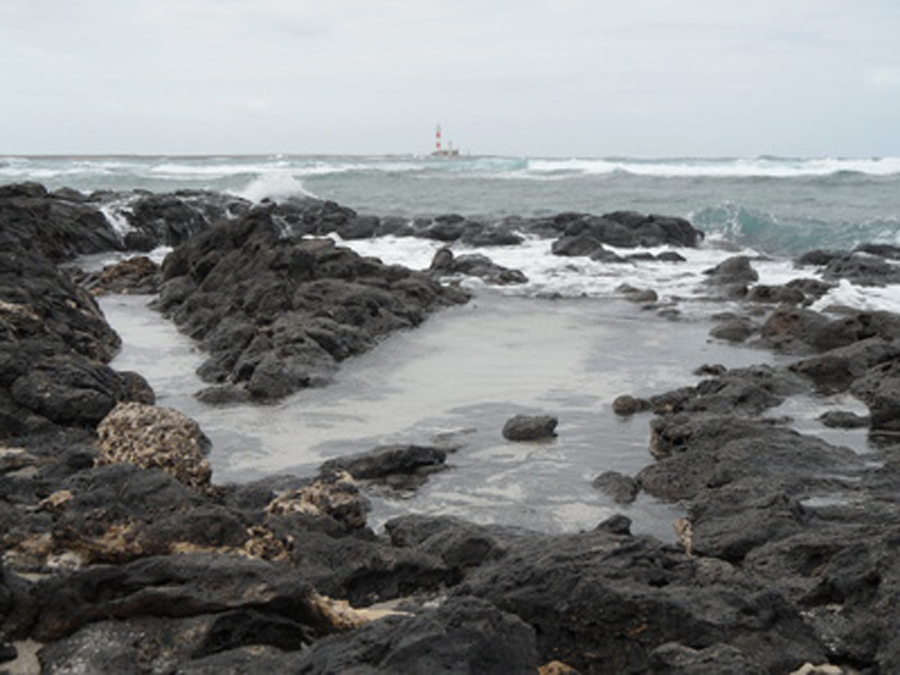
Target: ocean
pixel 565 343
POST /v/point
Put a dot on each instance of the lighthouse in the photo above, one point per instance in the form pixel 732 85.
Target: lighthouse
pixel 439 150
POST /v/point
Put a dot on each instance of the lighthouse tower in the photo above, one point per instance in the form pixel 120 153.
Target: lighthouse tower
pixel 439 150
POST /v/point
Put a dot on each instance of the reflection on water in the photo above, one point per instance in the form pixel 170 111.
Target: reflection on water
pixel 465 371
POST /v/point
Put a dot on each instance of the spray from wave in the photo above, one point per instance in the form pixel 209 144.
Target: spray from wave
pixel 275 185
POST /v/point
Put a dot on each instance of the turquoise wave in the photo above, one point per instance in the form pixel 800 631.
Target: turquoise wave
pixel 779 235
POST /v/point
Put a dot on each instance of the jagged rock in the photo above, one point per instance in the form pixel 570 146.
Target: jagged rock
pixel 476 265
pixel 798 331
pixel 459 544
pixel 598 592
pixel 862 269
pixel 138 275
pixel 335 496
pixel 170 586
pixel 835 370
pixel 155 437
pixel 300 306
pixel 740 390
pixel 464 635
pixel 399 465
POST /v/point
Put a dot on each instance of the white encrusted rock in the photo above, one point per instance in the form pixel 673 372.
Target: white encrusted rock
pixel 155 437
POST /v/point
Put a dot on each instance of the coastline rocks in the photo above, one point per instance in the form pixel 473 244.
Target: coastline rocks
pixel 463 635
pixel 530 428
pixel 399 467
pixel 603 602
pixel 445 263
pixel 54 346
pixel 583 234
pixel 732 276
pixel 622 489
pixel 334 496
pixel 627 405
pixel 743 391
pixel 138 276
pixel 879 389
pixel 834 371
pixel 155 437
pixel 52 225
pixel 171 219
pixel 277 314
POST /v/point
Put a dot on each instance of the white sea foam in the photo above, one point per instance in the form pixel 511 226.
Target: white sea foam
pixel 572 277
pixel 276 185
pixel 775 167
pixel 114 212
pixel 861 297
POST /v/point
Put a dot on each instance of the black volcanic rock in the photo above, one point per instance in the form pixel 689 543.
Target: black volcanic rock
pixel 530 427
pixel 278 313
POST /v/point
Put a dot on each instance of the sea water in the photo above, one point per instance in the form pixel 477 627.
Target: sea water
pixel 565 343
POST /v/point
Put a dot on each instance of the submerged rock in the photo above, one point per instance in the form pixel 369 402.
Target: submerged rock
pixel 622 489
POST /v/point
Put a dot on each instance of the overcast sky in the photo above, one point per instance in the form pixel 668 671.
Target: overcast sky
pixel 651 78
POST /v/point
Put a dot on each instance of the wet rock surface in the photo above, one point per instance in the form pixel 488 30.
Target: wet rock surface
pixel 277 314
pixel 530 428
pixel 122 555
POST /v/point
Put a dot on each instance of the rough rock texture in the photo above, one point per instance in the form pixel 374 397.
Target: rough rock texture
pixel 54 346
pixel 464 635
pixel 445 263
pixel 602 603
pixel 584 235
pixel 277 314
pixel 155 437
pixel 134 276
pixel 788 545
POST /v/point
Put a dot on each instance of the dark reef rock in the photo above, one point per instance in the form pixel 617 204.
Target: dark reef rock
pixel 747 391
pixel 398 466
pixel 622 489
pixel 602 602
pixel 530 428
pixel 135 276
pixel 277 314
pixel 788 544
pixel 52 225
pixel 627 405
pixel 462 636
pixel 584 235
pixel 54 344
pixel 732 277
pixel 445 263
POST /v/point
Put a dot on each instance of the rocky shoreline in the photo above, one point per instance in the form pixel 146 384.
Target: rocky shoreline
pixel 122 556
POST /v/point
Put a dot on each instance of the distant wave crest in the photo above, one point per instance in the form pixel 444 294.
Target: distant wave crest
pixel 775 167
